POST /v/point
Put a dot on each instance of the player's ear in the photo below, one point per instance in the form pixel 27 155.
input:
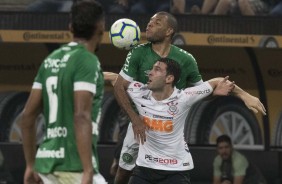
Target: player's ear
pixel 169 79
pixel 169 31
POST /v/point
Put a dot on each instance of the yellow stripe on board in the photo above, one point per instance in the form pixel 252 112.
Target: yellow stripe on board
pixel 200 39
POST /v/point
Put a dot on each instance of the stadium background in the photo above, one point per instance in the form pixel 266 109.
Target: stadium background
pixel 245 48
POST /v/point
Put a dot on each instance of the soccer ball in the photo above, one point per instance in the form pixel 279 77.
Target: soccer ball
pixel 125 33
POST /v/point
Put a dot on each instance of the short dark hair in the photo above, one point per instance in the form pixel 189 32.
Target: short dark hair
pixel 172 68
pixel 85 14
pixel 171 20
pixel 224 138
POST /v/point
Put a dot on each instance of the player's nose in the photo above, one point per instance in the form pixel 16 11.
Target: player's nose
pixel 150 24
pixel 150 73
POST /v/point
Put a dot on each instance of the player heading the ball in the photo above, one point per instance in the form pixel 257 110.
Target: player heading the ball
pixel 125 33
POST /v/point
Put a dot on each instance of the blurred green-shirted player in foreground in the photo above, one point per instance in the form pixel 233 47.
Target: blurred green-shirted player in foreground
pixel 68 90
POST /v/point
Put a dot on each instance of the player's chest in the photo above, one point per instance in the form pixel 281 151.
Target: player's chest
pixel 145 65
pixel 163 110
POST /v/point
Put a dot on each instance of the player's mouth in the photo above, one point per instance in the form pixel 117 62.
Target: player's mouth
pixel 149 81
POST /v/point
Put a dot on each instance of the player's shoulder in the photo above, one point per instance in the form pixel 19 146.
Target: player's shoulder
pixel 85 59
pixel 141 47
pixel 181 52
pixel 85 55
pixel 77 50
pixel 137 85
pixel 217 160
pixel 136 88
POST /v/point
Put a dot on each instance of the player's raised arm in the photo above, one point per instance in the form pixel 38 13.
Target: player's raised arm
pixel 252 102
pixel 222 86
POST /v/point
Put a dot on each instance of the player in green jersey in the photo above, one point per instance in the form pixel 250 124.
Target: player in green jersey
pixel 140 60
pixel 68 90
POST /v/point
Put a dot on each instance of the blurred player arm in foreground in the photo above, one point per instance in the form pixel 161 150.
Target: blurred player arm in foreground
pixel 32 109
pixel 83 130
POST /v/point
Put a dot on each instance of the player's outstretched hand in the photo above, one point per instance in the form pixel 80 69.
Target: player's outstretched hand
pixel 224 87
pixel 254 104
pixel 139 129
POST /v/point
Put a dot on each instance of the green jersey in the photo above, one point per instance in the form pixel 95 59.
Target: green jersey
pixel 238 165
pixel 68 69
pixel 140 61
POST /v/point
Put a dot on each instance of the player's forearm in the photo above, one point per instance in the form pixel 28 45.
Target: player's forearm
pixel 215 81
pixel 29 139
pixel 239 92
pixel 83 135
pixel 236 91
pixel 123 99
pixel 110 76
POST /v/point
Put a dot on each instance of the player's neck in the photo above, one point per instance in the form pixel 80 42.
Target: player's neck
pixel 162 94
pixel 88 44
pixel 162 49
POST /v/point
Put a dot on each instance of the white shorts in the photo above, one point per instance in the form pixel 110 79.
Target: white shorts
pixel 59 177
pixel 129 151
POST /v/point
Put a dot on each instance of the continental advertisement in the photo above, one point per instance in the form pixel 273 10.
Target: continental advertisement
pixel 181 38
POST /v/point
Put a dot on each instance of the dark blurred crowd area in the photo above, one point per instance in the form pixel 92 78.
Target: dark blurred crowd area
pixel 210 7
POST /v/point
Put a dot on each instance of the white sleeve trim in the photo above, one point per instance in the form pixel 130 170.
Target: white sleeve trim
pixel 37 85
pixel 125 76
pixel 85 86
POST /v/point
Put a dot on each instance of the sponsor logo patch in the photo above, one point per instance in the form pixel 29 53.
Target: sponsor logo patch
pixel 198 92
pixel 127 158
pixel 173 110
pixel 186 164
pixel 158 124
pixel 162 161
pixel 136 84
pixel 161 117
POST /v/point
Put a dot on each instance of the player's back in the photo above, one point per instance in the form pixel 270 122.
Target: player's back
pixel 58 82
pixel 61 73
